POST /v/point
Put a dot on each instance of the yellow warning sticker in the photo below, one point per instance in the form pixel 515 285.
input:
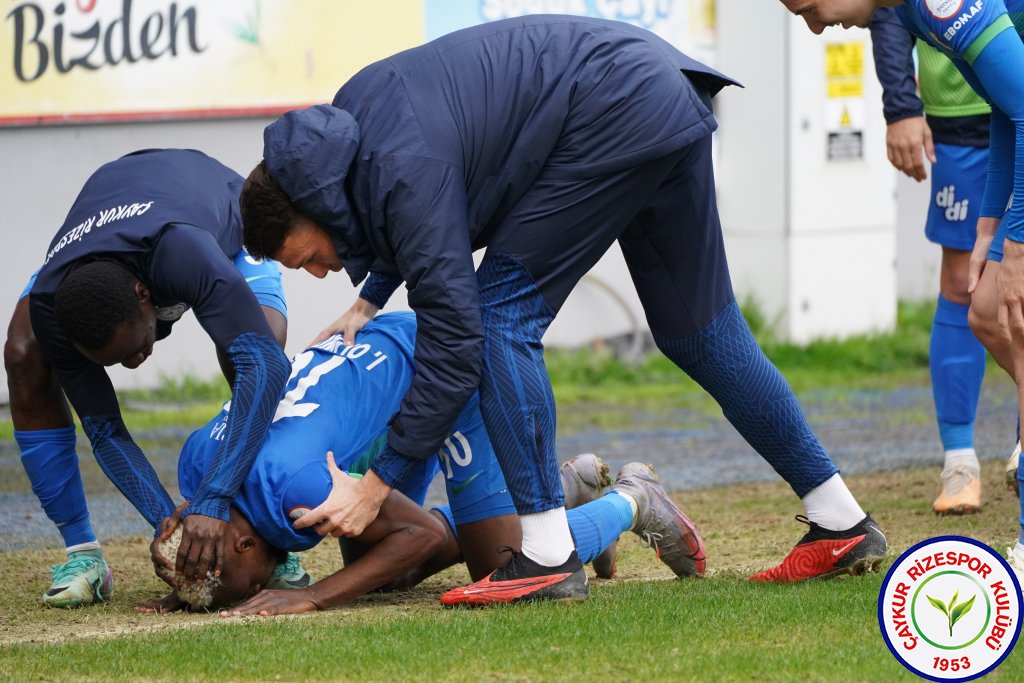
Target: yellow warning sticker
pixel 845 88
pixel 844 69
pixel 844 60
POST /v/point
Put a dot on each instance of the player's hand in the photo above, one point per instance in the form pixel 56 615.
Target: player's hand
pixel 904 141
pixel 1010 286
pixel 986 232
pixel 353 320
pixel 161 565
pixel 266 603
pixel 350 507
pixel 165 605
pixel 202 547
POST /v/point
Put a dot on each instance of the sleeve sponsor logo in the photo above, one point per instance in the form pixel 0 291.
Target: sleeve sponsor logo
pixel 962 20
pixel 943 9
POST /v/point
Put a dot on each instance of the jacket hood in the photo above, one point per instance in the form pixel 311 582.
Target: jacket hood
pixel 309 153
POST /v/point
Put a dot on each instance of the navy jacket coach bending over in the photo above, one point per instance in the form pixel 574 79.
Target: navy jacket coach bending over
pixel 545 139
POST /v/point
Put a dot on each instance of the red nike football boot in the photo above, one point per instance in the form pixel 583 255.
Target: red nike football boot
pixel 521 579
pixel 823 553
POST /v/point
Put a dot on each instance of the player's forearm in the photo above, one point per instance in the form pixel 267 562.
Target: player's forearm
pixel 892 46
pixel 376 291
pixel 261 370
pixel 397 553
pixel 998 69
pixel 125 465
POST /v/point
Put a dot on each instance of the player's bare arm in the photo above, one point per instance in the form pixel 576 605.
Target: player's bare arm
pixel 402 537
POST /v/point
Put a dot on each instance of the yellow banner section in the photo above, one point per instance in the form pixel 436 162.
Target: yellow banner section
pixel 844 69
pixel 80 60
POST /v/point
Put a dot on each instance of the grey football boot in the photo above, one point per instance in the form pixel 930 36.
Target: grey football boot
pixel 585 479
pixel 660 523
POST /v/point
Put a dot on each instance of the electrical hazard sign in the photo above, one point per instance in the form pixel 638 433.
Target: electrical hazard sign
pixel 844 101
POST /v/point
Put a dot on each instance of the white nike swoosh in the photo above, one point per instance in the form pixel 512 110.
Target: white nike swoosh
pixel 254 278
pixel 836 552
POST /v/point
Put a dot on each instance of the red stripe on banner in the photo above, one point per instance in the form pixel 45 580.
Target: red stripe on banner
pixel 175 114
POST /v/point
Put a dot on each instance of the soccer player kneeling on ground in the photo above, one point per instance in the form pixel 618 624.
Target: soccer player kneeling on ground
pixel 338 402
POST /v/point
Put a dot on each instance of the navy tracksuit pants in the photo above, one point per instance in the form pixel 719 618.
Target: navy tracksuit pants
pixel 664 215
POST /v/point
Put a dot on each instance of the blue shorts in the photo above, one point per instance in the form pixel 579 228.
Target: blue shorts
pixel 958 183
pixel 476 488
pixel 263 278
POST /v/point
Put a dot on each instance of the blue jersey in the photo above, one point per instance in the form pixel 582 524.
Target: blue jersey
pixel 982 39
pixel 955 26
pixel 340 398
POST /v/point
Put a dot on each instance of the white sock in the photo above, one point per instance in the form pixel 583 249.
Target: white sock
pixel 831 505
pixel 632 506
pixel 1018 550
pixel 91 545
pixel 546 537
pixel 961 457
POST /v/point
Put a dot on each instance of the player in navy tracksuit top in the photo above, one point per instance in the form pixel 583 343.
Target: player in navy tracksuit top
pixel 545 139
pixel 163 227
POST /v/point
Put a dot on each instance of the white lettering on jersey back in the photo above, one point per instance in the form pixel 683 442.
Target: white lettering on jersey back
pixel 98 221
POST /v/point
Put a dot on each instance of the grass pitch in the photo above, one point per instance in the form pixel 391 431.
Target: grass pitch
pixel 644 625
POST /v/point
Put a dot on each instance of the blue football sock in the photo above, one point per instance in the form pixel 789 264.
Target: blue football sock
pixel 726 361
pixel 51 463
pixel 596 525
pixel 957 361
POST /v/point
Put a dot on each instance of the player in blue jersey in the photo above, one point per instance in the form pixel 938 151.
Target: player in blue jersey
pixel 338 402
pixel 983 39
pixel 949 123
pixel 151 235
pixel 592 132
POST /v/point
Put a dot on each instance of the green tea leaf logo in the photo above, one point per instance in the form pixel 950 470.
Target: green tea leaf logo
pixel 250 31
pixel 953 611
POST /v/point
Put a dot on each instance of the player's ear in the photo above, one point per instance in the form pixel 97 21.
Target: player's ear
pixel 141 292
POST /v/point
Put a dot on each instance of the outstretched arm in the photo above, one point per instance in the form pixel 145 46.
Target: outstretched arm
pixel 188 266
pixel 402 537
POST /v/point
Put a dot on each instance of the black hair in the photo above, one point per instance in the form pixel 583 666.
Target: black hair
pixel 93 300
pixel 267 213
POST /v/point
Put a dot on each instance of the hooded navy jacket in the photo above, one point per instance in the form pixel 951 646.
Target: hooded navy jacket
pixel 423 154
pixel 171 217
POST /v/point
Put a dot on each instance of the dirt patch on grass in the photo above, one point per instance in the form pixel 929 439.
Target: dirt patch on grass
pixel 746 528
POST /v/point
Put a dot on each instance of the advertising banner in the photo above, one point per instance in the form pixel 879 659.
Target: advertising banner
pixel 108 60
